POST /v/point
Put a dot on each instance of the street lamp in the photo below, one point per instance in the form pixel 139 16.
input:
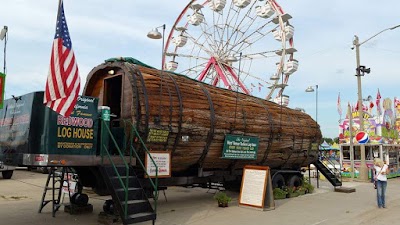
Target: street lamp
pixel 155 34
pixel 363 172
pixel 311 89
pixel 3 35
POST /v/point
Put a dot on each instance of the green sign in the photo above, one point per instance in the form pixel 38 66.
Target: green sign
pixel 158 136
pixel 105 113
pixel 76 134
pixel 2 86
pixel 240 147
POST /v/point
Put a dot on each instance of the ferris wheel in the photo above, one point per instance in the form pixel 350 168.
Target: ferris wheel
pixel 241 45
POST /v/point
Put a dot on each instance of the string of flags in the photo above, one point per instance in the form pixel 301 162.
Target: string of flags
pixel 369 106
pixel 254 86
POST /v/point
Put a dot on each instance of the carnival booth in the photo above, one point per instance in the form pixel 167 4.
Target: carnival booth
pixel 380 138
pixel 329 152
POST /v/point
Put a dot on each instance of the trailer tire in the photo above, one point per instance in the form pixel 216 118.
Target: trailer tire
pixel 278 181
pixel 295 181
pixel 108 207
pixel 7 174
pixel 80 199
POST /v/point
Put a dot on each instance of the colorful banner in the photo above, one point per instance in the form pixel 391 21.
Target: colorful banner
pixel 380 128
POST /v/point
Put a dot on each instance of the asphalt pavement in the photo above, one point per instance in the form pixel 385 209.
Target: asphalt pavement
pixel 20 198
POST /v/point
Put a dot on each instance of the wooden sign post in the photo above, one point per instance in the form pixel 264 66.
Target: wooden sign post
pixel 256 190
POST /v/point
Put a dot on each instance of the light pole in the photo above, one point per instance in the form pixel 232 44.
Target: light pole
pixel 363 172
pixel 3 35
pixel 311 89
pixel 155 34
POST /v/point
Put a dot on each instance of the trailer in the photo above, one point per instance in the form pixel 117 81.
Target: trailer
pixel 137 129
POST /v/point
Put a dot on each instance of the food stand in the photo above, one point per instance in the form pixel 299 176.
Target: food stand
pixel 381 139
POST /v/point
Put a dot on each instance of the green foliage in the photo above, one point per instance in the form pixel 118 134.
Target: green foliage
pixel 222 197
pixel 328 140
pixel 306 185
pixel 279 193
pixel 336 139
pixel 301 190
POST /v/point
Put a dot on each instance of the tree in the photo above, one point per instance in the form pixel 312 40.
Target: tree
pixel 328 140
pixel 336 139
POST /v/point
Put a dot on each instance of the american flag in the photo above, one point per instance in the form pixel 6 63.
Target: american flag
pixel 378 101
pixel 63 81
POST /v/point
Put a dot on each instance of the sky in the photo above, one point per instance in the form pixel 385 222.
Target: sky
pixel 323 37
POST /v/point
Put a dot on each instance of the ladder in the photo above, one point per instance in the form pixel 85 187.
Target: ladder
pixel 56 185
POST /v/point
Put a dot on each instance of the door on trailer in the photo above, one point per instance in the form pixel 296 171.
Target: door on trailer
pixel 112 98
pixel 112 95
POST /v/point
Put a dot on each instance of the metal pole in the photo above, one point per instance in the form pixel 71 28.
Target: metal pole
pixel 363 170
pixel 363 175
pixel 316 104
pixel 316 120
pixel 351 149
pixel 237 88
pixel 158 119
pixel 5 49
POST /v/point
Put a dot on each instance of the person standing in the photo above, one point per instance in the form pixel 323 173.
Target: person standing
pixel 380 178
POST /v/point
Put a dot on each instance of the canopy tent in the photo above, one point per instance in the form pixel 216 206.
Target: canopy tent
pixel 335 146
pixel 325 146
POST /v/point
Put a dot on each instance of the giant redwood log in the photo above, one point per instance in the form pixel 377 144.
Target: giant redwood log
pixel 151 98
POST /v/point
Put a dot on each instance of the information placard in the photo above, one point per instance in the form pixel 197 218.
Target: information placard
pixel 256 190
pixel 163 162
pixel 240 147
pixel 157 136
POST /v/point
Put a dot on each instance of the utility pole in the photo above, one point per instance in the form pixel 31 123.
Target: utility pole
pixel 363 175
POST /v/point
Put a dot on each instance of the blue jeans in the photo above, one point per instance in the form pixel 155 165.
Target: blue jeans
pixel 380 192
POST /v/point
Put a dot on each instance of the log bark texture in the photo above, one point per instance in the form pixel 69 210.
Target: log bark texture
pixel 151 98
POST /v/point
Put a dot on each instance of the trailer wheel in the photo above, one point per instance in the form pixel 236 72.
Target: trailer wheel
pixel 80 199
pixel 108 206
pixel 278 181
pixel 7 174
pixel 295 181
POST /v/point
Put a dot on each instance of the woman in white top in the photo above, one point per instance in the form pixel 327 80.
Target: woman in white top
pixel 381 181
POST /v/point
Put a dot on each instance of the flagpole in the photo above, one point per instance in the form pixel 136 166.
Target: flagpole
pixel 58 12
pixel 351 141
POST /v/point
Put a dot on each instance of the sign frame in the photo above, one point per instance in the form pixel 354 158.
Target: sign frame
pixel 168 166
pixel 256 183
pixel 240 151
pixel 156 135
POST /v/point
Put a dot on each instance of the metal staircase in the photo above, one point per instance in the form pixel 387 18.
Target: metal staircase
pixel 329 170
pixel 128 195
pixel 126 190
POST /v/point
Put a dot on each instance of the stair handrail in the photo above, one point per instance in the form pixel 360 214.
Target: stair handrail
pixel 153 184
pixel 124 185
pixel 335 171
